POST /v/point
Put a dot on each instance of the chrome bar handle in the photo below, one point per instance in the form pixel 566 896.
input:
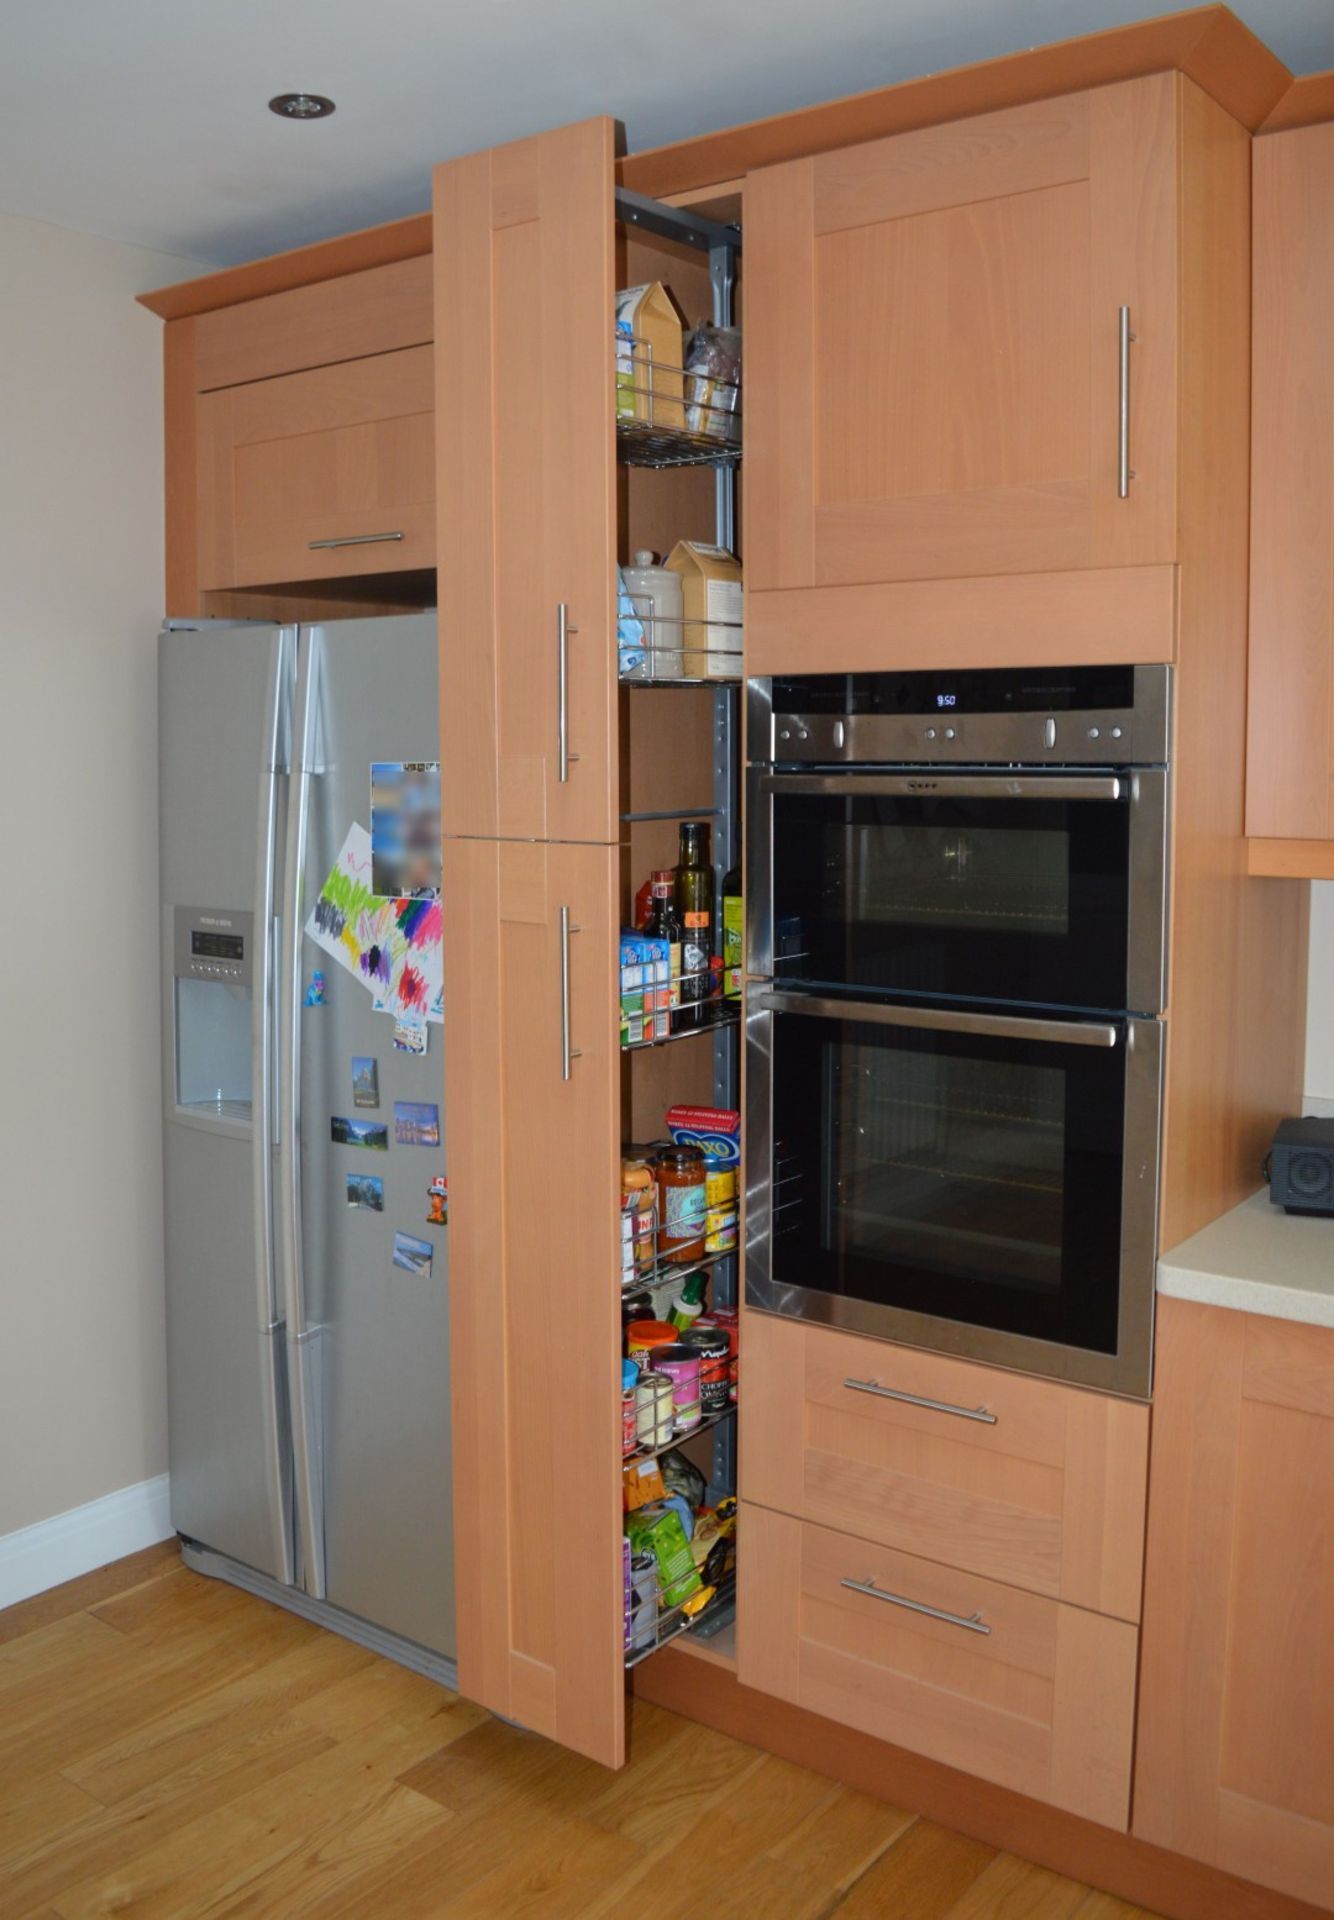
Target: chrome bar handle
pixel 971 1623
pixel 568 1054
pixel 1124 472
pixel 564 757
pixel 274 760
pixel 999 1026
pixel 303 1397
pixel 352 540
pixel 987 1418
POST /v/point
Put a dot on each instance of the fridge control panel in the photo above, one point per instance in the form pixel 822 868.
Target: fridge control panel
pixel 213 943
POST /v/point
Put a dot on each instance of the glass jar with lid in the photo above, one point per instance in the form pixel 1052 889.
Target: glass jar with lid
pixel 681 1204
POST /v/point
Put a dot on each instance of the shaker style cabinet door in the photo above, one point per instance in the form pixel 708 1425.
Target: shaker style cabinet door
pixel 934 364
pixel 318 474
pixel 525 284
pixel 1235 1751
pixel 532 1091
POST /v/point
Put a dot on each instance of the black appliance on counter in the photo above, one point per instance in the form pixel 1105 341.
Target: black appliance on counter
pixel 957 891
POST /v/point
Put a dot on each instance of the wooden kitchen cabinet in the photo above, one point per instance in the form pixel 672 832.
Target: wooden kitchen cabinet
pixel 1028 1481
pixel 1006 1685
pixel 1290 720
pixel 934 387
pixel 1235 1750
pixel 525 265
pixel 327 473
pixel 534 1176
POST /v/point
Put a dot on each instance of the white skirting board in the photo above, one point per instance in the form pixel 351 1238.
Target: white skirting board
pixel 76 1542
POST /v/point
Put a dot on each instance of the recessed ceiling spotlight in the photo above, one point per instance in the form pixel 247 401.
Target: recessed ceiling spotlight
pixel 301 106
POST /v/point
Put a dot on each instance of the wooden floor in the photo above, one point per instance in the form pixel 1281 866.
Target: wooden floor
pixel 170 1747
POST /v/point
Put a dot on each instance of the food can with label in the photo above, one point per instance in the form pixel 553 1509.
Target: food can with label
pixel 681 1366
pixel 714 1349
pixel 654 1399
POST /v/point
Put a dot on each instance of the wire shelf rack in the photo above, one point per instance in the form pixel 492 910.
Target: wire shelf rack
pixel 668 416
pixel 672 651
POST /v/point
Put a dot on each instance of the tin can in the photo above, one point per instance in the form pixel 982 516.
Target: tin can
pixel 642 1337
pixel 681 1366
pixel 714 1349
pixel 654 1398
pixel 727 1319
pixel 643 1601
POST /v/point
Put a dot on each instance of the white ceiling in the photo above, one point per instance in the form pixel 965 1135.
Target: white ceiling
pixel 146 120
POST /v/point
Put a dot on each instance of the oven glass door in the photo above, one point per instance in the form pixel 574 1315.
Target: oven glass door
pixel 975 886
pixel 967 1175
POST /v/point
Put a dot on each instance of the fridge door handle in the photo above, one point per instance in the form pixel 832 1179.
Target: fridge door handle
pixel 302 1357
pixel 273 763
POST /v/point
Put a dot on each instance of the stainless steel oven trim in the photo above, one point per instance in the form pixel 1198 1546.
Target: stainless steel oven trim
pixel 1128 1371
pixel 990 784
pixel 1145 791
pixel 1138 735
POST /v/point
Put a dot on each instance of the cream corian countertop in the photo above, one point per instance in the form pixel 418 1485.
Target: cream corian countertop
pixel 1257 1259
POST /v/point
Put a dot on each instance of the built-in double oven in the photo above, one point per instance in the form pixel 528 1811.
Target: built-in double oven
pixel 957 948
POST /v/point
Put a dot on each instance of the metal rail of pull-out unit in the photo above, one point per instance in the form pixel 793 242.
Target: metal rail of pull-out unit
pixel 722 243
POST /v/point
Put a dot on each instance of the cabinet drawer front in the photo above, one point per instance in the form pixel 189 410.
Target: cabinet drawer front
pixel 1023 1691
pixel 341 454
pixel 1025 1481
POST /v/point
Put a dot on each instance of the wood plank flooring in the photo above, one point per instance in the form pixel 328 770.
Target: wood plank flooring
pixel 172 1749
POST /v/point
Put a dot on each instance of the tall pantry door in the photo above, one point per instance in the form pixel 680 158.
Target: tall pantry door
pixel 532 1088
pixel 933 347
pixel 525 435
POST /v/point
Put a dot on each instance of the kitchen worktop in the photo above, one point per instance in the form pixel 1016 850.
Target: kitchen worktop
pixel 1257 1259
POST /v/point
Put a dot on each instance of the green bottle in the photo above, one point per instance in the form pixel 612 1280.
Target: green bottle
pixel 734 939
pixel 689 1303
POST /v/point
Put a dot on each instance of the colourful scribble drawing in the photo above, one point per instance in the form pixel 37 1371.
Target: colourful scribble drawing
pixel 393 946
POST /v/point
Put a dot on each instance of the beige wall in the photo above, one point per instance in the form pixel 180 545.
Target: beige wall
pixel 1320 1001
pixel 82 1373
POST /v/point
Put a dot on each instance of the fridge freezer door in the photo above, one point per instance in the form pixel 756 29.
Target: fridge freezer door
pixel 223 705
pixel 370 1341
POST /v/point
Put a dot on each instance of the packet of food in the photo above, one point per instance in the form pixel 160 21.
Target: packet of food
pixel 658 1530
pixel 713 382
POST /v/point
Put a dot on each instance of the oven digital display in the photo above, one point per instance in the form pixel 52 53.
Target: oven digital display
pixel 216 946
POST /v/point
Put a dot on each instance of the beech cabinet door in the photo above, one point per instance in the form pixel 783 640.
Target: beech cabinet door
pixel 933 349
pixel 319 474
pixel 533 1105
pixel 524 279
pixel 1235 1754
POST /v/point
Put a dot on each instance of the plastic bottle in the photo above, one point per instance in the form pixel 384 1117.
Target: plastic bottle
pixel 689 1303
pixel 657 597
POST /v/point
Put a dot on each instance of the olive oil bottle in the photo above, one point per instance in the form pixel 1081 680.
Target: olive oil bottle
pixel 694 906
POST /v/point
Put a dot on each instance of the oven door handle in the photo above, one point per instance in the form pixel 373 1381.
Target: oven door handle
pixel 963 786
pixel 999 1026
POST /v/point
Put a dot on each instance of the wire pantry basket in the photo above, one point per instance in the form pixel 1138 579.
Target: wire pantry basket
pixel 667 416
pixel 686 652
pixel 655 1615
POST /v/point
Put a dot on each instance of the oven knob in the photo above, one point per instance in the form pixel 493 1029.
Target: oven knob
pixel 949 733
pixel 1049 733
pixel 1093 733
pixel 840 735
pixel 785 734
pixel 930 733
pixel 803 735
pixel 1116 733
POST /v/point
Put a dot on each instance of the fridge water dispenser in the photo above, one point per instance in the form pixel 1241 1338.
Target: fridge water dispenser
pixel 212 1012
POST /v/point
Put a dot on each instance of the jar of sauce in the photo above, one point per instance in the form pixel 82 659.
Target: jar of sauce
pixel 681 1205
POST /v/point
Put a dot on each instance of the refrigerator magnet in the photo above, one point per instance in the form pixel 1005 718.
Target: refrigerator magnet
pixel 437 1202
pixel 409 1039
pixel 315 995
pixel 365 1081
pixel 412 1255
pixel 359 1133
pixel 416 1123
pixel 365 1191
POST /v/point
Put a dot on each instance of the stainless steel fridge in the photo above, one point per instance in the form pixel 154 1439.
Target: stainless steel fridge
pixel 306 1262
